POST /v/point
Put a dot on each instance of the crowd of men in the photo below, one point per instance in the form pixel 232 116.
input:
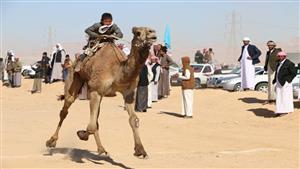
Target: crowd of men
pixel 154 82
pixel 281 72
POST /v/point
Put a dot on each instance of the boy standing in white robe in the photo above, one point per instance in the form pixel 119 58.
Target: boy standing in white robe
pixel 248 58
pixel 188 85
pixel 285 73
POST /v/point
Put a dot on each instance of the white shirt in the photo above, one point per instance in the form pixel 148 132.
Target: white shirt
pixel 187 75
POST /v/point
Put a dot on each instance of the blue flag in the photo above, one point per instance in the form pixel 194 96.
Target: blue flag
pixel 167 38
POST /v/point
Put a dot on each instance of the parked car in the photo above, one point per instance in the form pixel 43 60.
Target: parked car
pixel 296 88
pixel 173 70
pixel 201 72
pixel 217 81
pixel 261 82
pixel 27 71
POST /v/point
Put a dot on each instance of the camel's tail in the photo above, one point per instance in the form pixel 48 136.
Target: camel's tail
pixel 61 97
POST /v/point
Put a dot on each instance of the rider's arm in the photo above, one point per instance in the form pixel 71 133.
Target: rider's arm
pixel 92 30
pixel 117 31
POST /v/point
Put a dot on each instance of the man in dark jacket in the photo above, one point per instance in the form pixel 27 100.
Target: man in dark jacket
pixel 142 91
pixel 270 67
pixel 285 73
pixel 248 58
pixel 45 65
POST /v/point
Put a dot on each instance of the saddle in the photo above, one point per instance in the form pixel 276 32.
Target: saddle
pixel 97 45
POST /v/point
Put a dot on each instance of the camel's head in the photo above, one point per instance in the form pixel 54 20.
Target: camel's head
pixel 144 36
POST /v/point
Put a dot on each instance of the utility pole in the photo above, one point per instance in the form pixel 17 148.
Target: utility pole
pixel 50 39
pixel 234 29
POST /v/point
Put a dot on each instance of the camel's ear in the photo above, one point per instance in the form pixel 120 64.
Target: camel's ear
pixel 135 31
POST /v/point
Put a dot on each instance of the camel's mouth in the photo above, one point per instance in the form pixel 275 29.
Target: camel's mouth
pixel 152 38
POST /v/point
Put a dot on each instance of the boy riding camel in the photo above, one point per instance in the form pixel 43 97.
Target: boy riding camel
pixel 103 31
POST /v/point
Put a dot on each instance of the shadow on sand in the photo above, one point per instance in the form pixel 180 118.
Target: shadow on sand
pixel 262 112
pixel 77 155
pixel 252 100
pixel 171 114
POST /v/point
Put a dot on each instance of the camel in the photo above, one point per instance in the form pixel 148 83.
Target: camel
pixel 105 73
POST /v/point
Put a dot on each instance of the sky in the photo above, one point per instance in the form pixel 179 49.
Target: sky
pixel 194 24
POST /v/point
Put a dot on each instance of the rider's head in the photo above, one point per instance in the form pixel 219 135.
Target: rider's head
pixel 106 19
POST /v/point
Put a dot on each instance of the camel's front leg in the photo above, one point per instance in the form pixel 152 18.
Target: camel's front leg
pixel 139 150
pixel 73 84
pixel 93 126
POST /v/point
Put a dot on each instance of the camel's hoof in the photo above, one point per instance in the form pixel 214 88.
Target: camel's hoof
pixel 142 156
pixel 103 153
pixel 51 143
pixel 140 153
pixel 83 135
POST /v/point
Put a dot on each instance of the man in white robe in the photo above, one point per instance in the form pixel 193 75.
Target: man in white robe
pixel 57 62
pixel 153 85
pixel 248 58
pixel 285 73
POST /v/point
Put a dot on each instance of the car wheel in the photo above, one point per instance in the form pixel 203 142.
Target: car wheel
pixel 237 87
pixel 263 87
pixel 25 73
pixel 197 83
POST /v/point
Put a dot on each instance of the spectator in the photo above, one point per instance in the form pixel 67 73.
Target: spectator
pixel 45 65
pixel 57 63
pixel 17 68
pixel 164 81
pixel 188 84
pixel 248 58
pixel 142 91
pixel 285 73
pixel 37 83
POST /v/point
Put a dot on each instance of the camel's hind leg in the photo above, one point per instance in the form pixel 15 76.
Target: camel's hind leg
pixel 93 126
pixel 73 84
pixel 139 150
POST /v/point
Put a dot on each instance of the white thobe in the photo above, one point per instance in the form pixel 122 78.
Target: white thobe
pixel 57 67
pixel 271 87
pixel 187 97
pixel 150 77
pixel 247 71
pixel 284 96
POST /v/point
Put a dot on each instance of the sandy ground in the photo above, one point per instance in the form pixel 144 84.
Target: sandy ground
pixel 228 130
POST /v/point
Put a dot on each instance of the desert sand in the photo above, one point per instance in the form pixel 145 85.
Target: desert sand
pixel 229 129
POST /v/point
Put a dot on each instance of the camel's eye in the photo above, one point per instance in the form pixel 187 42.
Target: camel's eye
pixel 138 34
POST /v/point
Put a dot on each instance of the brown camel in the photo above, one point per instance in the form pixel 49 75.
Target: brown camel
pixel 105 73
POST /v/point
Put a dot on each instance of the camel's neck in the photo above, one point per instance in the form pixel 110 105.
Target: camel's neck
pixel 136 59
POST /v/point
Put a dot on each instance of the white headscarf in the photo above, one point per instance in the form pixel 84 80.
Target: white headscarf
pixel 59 46
pixel 104 28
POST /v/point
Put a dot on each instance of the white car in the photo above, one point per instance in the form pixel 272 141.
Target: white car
pixel 27 70
pixel 296 89
pixel 217 81
pixel 261 82
pixel 201 72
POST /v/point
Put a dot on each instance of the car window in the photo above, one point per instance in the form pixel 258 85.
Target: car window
pixel 260 72
pixel 197 68
pixel 236 70
pixel 207 69
pixel 257 69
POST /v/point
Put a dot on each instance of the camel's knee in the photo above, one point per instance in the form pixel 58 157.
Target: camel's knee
pixel 92 128
pixel 63 114
pixel 134 121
